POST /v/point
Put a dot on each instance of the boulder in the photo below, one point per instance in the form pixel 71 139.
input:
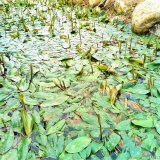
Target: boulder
pixel 126 6
pixel 155 30
pixel 94 3
pixel 145 16
pixel 109 4
pixel 109 7
pixel 82 2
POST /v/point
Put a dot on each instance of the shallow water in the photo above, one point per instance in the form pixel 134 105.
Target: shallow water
pixel 68 85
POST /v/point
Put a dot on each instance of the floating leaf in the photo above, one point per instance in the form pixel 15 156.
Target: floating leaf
pixel 137 90
pixel 78 144
pixel 102 67
pixel 42 139
pixel 95 147
pixel 6 142
pixel 124 125
pixel 153 65
pixel 55 101
pixel 113 141
pixel 147 123
pixel 86 152
pixel 17 121
pixel 71 109
pixel 102 101
pixel 4 97
pixel 36 117
pixel 150 143
pixel 129 85
pixel 60 144
pixel 58 126
pixel 158 153
pixel 134 150
pixel 91 119
pixel 136 62
pixel 134 105
pixel 23 148
pixel 157 125
pixel 76 156
pixel 30 101
pixel 65 156
pixel 123 156
pixel 10 155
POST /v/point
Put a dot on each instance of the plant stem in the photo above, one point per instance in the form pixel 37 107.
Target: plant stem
pixel 100 126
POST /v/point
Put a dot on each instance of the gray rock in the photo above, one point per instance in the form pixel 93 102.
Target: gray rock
pixel 155 30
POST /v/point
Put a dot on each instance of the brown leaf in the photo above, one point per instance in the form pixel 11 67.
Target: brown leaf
pixel 75 120
pixel 117 117
pixel 48 117
pixel 113 94
pixel 134 105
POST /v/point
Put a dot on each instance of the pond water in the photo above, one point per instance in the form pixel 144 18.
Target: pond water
pixel 72 74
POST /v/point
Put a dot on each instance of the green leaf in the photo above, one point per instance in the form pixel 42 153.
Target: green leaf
pixel 149 143
pixel 95 147
pixel 93 120
pixel 76 156
pixel 136 62
pixel 129 85
pixel 17 121
pixel 102 101
pixel 42 139
pixel 10 155
pixel 138 89
pixel 106 153
pixel 86 152
pixel 153 65
pixel 157 126
pixel 60 144
pixel 135 151
pixel 27 122
pixel 65 156
pixel 146 123
pixel 78 144
pixel 124 125
pixel 23 148
pixel 158 153
pixel 94 157
pixel 36 117
pixel 71 109
pixel 6 142
pixel 123 156
pixel 113 141
pixel 58 126
pixel 55 101
pixel 102 67
pixel 30 101
pixel 90 119
pixel 4 97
